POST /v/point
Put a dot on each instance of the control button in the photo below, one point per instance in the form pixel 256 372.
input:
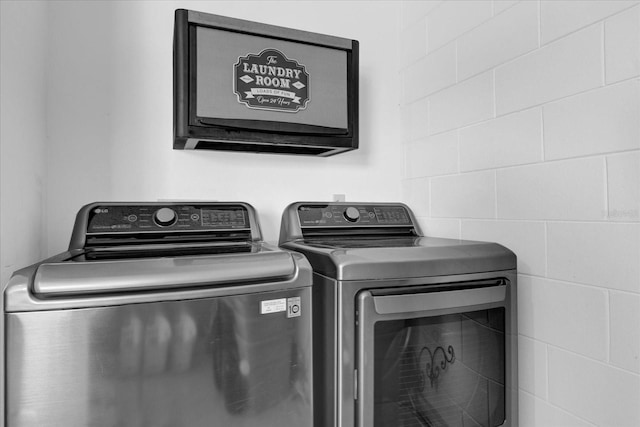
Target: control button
pixel 351 214
pixel 132 218
pixel 165 217
pixel 195 217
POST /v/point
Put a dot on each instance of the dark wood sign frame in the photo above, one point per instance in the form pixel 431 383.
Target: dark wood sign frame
pixel 217 133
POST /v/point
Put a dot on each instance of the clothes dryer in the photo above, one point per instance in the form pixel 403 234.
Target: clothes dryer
pixel 408 330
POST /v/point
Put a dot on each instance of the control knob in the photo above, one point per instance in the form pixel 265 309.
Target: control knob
pixel 165 217
pixel 351 214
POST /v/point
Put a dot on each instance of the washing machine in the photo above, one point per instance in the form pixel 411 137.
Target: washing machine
pixel 160 314
pixel 408 330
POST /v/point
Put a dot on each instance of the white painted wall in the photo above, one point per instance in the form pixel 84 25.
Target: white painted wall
pixel 22 132
pixel 110 113
pixel 520 123
pixel 522 126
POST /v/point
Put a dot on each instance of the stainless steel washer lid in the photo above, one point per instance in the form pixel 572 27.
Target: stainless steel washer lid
pixel 56 284
pixel 125 253
pixel 71 278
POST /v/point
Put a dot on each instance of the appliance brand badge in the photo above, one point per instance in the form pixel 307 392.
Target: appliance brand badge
pixel 271 81
pixel 293 307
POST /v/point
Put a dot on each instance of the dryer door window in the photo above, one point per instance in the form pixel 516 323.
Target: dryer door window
pixel 441 367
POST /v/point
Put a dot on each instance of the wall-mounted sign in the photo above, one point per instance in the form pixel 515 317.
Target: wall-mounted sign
pixel 271 81
pixel 248 86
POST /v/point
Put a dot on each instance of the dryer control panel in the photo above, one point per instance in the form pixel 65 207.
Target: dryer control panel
pixel 349 215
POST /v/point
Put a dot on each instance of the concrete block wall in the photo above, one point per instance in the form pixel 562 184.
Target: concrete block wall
pixel 521 125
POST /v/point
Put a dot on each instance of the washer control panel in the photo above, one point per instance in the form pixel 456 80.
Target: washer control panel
pixel 348 215
pixel 171 217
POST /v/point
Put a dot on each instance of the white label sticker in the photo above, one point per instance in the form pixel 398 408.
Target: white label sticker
pixel 273 306
pixel 293 307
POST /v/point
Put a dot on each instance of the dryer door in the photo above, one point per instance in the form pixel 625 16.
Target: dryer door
pixel 433 356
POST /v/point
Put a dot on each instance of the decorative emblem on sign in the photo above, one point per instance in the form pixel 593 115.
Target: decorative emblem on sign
pixel 271 81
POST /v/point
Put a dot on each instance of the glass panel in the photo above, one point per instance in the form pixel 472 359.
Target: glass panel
pixel 440 371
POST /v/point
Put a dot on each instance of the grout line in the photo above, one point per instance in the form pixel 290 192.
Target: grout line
pixel 606 188
pixel 540 45
pixel 405 153
pixel 623 292
pixel 586 221
pixel 546 249
pixel 604 56
pixel 574 284
pixel 547 398
pixel 456 62
pixel 429 198
pixel 426 35
pixel 506 220
pixel 608 328
pixel 540 163
pixel 584 356
pixel 529 107
pixel 583 421
pixel 546 364
pixel 494 68
pixel 539 24
pixel 463 34
pixel 545 221
pixel 585 26
pixel 495 96
pixel 459 150
pixel 542 134
pixel 495 194
pixel 428 118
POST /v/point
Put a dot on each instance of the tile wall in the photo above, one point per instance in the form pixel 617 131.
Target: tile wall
pixel 522 126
